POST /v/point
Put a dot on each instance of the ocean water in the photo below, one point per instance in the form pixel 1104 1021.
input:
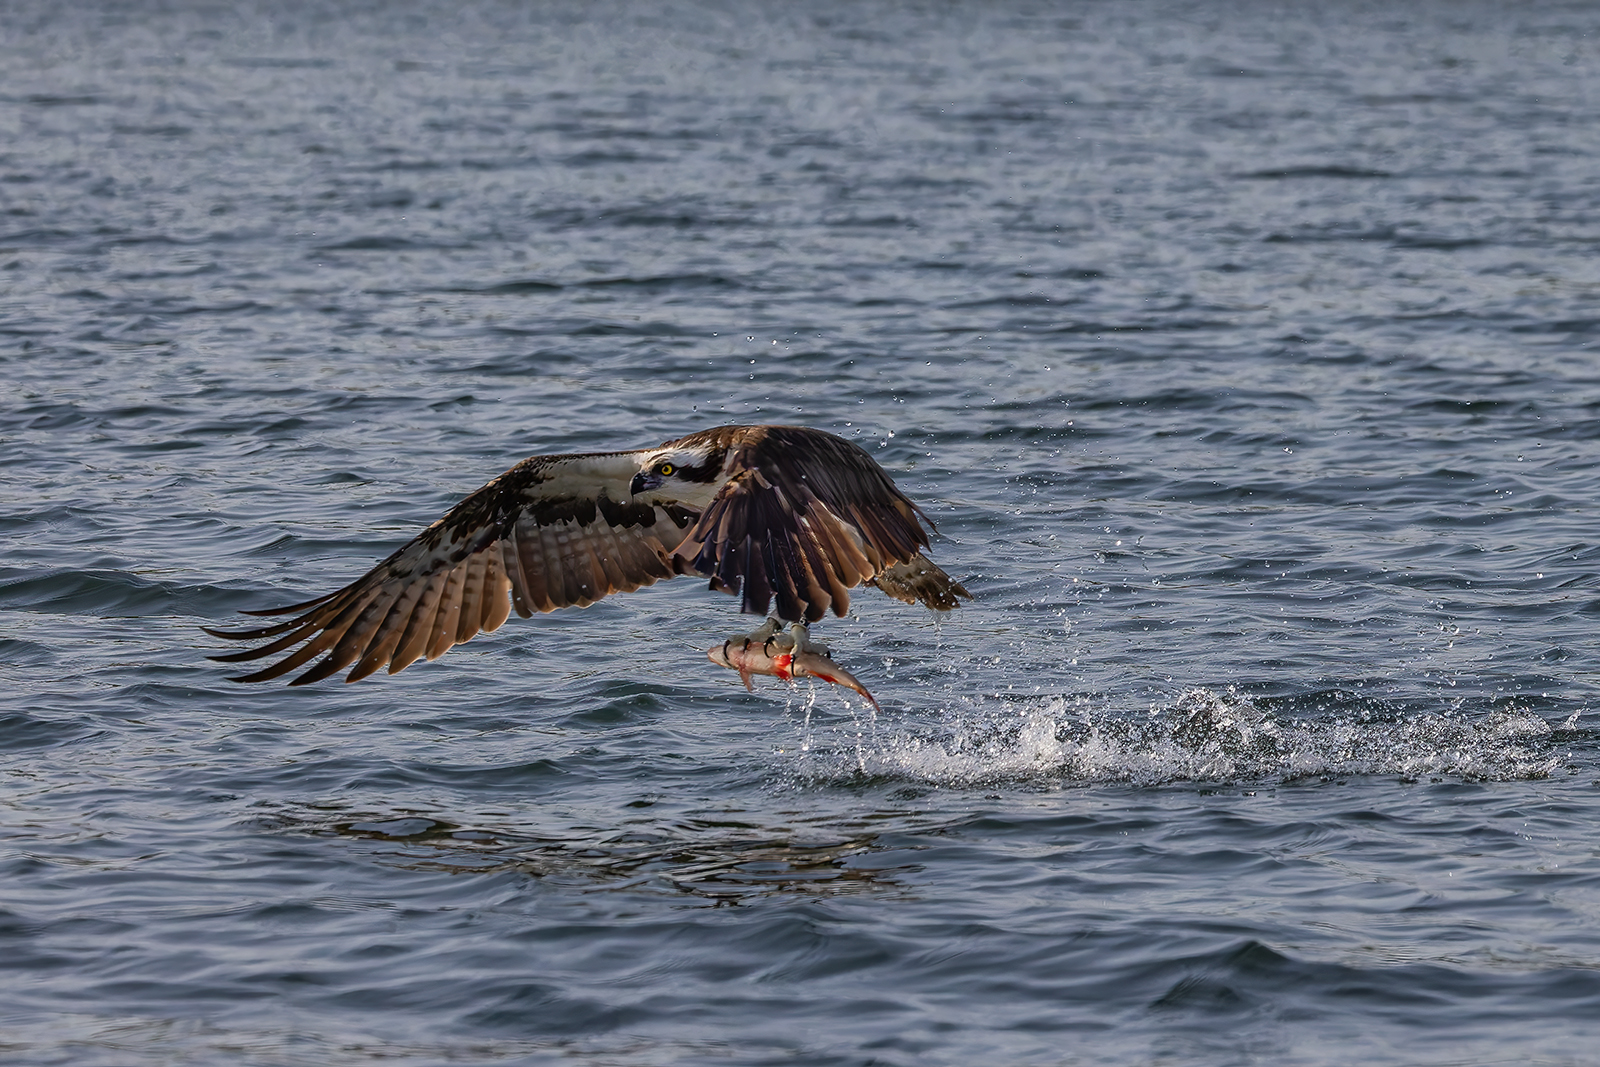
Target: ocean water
pixel 1243 353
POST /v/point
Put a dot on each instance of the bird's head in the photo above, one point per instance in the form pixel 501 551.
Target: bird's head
pixel 677 473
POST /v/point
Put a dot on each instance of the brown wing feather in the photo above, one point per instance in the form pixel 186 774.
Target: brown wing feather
pixel 532 538
pixel 804 517
pixel 497 600
pixel 414 642
pixel 920 579
pixel 443 633
pixel 381 648
pixel 530 564
pixel 511 564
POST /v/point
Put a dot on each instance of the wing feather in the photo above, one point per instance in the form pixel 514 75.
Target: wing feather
pixel 608 555
pixel 853 553
pixel 803 518
pixel 287 641
pixel 511 563
pixel 355 639
pixel 581 559
pixel 647 557
pixel 551 532
pixel 530 553
pixel 414 642
pixel 602 580
pixel 443 632
pixel 561 586
pixel 325 637
pixel 496 602
pixel 475 570
pixel 920 579
pixel 387 639
pixel 323 607
pixel 840 559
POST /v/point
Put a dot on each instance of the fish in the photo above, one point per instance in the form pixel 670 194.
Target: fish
pixel 787 656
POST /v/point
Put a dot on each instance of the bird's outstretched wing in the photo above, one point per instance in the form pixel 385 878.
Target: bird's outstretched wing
pixel 804 517
pixel 551 532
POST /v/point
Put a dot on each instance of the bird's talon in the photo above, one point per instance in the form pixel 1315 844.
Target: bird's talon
pixel 768 637
pixel 800 634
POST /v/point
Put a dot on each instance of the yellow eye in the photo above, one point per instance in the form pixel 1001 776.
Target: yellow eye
pixel 665 470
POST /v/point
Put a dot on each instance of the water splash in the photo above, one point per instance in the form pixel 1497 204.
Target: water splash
pixel 858 732
pixel 1203 735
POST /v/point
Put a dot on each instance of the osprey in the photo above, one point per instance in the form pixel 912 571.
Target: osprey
pixel 768 513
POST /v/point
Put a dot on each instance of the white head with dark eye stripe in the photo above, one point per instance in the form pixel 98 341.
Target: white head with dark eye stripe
pixel 678 473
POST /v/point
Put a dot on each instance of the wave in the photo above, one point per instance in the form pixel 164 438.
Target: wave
pixel 1203 735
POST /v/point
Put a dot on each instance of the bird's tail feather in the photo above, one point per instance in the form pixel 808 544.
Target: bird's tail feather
pixel 920 579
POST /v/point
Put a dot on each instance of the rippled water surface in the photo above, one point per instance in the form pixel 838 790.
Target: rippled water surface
pixel 1244 356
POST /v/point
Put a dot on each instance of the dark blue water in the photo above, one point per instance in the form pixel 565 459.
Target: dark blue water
pixel 1244 355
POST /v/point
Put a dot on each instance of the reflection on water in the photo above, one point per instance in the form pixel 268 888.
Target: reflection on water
pixel 700 860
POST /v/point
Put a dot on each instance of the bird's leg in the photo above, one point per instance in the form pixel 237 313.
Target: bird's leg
pixel 760 635
pixel 800 634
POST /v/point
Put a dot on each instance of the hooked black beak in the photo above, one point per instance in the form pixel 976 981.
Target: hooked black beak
pixel 644 481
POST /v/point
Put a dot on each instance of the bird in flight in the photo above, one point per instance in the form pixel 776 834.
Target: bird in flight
pixel 772 514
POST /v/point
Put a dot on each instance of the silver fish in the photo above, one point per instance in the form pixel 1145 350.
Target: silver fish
pixel 783 655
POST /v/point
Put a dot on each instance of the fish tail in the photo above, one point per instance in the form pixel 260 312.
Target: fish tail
pixel 809 664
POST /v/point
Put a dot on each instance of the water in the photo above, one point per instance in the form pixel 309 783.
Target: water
pixel 1243 355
